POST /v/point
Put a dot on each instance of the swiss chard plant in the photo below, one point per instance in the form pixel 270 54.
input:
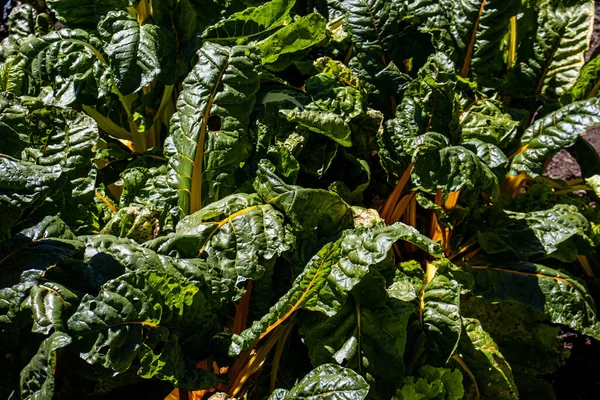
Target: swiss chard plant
pixel 295 199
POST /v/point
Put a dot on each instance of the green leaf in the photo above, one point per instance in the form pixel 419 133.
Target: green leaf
pixel 435 297
pixel 332 273
pixel 452 169
pixel 477 29
pixel 38 376
pixel 133 50
pixel 307 209
pixel 300 35
pixel 208 141
pixel 326 123
pixel 487 373
pixel 65 66
pixel 488 121
pixel 559 232
pixel 136 223
pixel 550 64
pixel 329 382
pixel 368 339
pixel 587 83
pixel 50 304
pixel 110 256
pixel 238 235
pixel 12 74
pixel 557 130
pixel 142 314
pixel 538 349
pixel 373 27
pixel 85 14
pixel 559 297
pixel 251 23
pixel 432 383
pixel 23 187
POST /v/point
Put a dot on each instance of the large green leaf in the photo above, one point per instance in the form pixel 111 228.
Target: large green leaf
pixel 332 273
pixel 326 123
pixel 238 235
pixel 67 65
pixel 557 130
pixel 559 232
pixel 208 139
pixel 66 138
pixel 329 382
pixel 38 377
pixel 452 169
pixel 477 29
pixel 143 314
pixel 435 298
pixel 528 343
pixel 487 373
pixel 306 208
pixel 587 83
pixel 134 50
pixel 488 121
pixel 550 63
pixel 251 23
pixel 23 187
pixel 277 51
pixel 559 297
pixel 369 339
pixel 50 304
pixel 373 27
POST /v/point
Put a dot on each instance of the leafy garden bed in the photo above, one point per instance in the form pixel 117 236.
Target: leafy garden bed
pixel 339 199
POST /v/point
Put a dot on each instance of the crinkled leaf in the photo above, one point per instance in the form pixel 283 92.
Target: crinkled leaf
pixel 452 169
pixel 142 314
pixel 306 208
pixel 488 122
pixel 492 373
pixel 249 24
pixel 477 29
pixel 369 340
pixel 208 139
pixel 431 384
pixel 238 235
pixel 38 376
pixel 559 232
pixel 557 130
pixel 133 50
pixel 329 382
pixel 300 35
pixel 550 63
pixel 326 123
pixel 50 304
pixel 23 187
pixel 561 298
pixel 332 273
pixel 65 66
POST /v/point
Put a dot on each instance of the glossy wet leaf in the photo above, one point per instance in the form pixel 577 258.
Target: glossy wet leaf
pixel 559 297
pixel 329 382
pixel 206 147
pixel 38 376
pixel 546 136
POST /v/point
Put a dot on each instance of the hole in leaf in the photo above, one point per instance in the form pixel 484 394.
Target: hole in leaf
pixel 214 123
pixel 92 306
pixel 488 122
pixel 104 350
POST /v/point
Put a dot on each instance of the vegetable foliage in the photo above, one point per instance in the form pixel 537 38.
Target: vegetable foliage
pixel 340 199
